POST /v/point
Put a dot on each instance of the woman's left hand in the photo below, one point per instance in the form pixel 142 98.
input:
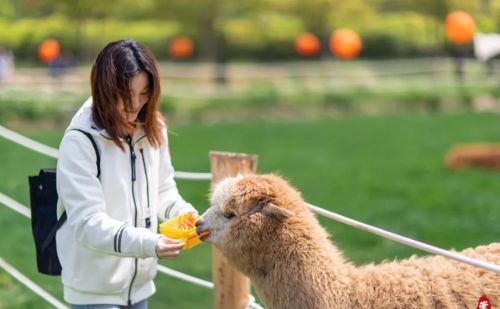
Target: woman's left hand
pixel 168 248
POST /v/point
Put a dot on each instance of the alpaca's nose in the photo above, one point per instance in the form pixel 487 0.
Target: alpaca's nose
pixel 199 222
pixel 201 229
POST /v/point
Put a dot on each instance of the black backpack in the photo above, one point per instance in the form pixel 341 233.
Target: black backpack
pixel 44 222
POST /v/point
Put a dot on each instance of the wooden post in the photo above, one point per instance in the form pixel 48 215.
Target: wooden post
pixel 231 288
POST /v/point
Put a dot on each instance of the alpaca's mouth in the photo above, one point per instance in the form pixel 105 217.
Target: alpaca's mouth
pixel 202 230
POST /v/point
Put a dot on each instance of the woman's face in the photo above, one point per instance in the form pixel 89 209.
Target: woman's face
pixel 139 96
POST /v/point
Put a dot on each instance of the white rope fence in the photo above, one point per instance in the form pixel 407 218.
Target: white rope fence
pixel 185 277
pixel 267 70
pixel 17 138
pixel 20 208
pixel 52 152
pixel 192 176
pixel 49 151
pixel 25 211
pixel 252 304
pixel 404 240
pixel 31 285
pixel 28 143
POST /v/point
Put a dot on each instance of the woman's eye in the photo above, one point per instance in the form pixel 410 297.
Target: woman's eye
pixel 229 215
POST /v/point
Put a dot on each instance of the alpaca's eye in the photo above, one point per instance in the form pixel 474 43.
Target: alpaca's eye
pixel 228 215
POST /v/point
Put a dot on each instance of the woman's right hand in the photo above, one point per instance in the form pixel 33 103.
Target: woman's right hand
pixel 168 248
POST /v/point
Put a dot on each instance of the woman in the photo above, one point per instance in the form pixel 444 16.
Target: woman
pixel 109 246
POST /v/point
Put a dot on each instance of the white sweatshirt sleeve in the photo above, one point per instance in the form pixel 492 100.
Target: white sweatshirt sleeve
pixel 81 193
pixel 170 202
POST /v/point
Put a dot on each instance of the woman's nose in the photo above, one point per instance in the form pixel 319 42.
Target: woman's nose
pixel 136 103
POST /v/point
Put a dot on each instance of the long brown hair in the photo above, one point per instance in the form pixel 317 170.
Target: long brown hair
pixel 111 73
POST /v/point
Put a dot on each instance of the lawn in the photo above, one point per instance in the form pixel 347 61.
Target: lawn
pixel 385 170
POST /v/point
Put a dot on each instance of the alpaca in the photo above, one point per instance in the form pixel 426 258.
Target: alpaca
pixel 263 227
pixel 481 155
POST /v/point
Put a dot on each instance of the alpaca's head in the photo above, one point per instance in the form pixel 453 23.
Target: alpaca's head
pixel 249 211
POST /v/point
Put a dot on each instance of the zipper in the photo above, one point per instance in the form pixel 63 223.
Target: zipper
pixel 148 218
pixel 132 165
pixel 129 302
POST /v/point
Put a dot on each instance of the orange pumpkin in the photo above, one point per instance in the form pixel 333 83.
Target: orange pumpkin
pixel 307 44
pixel 459 27
pixel 345 44
pixel 180 47
pixel 48 50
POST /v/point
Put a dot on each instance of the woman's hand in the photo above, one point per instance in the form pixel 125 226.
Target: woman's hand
pixel 168 248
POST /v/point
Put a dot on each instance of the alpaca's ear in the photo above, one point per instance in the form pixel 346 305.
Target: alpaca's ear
pixel 271 210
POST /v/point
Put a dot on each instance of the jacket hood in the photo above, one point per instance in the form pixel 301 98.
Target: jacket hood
pixel 83 121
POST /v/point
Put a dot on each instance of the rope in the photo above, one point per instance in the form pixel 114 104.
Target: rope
pixel 7 201
pixel 31 285
pixel 20 208
pixel 193 176
pixel 267 70
pixel 404 240
pixel 331 215
pixel 252 304
pixel 52 152
pixel 185 277
pixel 28 143
pixel 304 69
pixel 328 214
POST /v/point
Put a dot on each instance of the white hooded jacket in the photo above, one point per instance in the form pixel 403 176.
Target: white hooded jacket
pixel 107 245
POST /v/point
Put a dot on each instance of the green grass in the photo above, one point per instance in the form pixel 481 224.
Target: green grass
pixel 386 171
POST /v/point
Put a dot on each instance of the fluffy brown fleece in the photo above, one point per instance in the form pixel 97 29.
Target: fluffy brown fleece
pixel 480 155
pixel 265 229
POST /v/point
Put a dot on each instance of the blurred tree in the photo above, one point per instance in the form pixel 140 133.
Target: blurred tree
pixel 354 14
pixel 79 12
pixel 315 16
pixel 263 27
pixel 77 9
pixel 135 10
pixel 434 10
pixel 201 19
pixel 486 7
pixel 197 17
pixel 6 9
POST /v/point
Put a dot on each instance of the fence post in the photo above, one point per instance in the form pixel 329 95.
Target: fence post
pixel 231 288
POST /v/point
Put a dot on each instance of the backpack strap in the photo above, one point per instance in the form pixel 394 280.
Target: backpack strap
pixel 63 217
pixel 96 149
pixel 50 237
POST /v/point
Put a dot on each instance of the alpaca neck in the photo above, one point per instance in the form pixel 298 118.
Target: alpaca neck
pixel 289 268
